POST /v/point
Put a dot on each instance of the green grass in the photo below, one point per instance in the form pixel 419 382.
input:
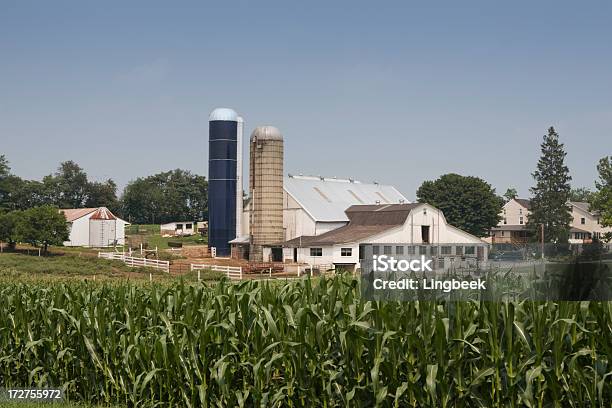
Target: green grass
pixel 145 229
pixel 301 343
pixel 152 236
pixel 18 266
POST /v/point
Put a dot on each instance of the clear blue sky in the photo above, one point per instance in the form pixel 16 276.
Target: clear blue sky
pixel 394 92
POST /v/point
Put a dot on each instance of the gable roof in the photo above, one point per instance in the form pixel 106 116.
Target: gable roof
pixel 365 221
pixel 525 202
pixel 72 214
pixel 584 206
pixel 99 213
pixel 327 199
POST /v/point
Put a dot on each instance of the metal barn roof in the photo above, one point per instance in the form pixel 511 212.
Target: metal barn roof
pixel 72 214
pixel 327 199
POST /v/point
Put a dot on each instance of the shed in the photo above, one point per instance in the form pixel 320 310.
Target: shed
pixel 94 227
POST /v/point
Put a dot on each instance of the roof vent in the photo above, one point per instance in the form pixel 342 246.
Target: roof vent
pixel 321 177
pixel 377 202
pixel 290 175
pixel 401 201
pixel 351 180
pixel 375 182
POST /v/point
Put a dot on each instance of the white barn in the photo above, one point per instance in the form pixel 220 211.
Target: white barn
pixel 393 229
pixel 315 205
pixel 94 227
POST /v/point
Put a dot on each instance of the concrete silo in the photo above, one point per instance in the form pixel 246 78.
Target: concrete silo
pixel 222 178
pixel 266 185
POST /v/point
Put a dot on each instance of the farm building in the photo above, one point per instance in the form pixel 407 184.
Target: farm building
pixel 392 229
pixel 315 205
pixel 94 227
pixel 182 228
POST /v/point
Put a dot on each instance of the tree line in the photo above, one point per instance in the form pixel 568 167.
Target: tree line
pixel 163 197
pixel 471 204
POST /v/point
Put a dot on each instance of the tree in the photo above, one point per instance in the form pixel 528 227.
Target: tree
pixel 551 192
pixel 510 194
pixel 164 197
pixel 71 185
pixel 602 198
pixel 468 203
pixel 5 170
pixel 42 226
pixel 8 221
pixel 581 194
pixel 103 195
pixel 5 183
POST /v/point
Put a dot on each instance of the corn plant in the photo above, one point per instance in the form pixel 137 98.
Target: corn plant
pixel 298 344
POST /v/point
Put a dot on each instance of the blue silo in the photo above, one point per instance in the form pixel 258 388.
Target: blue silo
pixel 222 178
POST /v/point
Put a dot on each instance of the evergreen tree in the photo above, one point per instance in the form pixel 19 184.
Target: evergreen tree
pixel 551 192
pixel 510 194
pixel 602 199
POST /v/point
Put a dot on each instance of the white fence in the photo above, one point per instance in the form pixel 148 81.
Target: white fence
pixel 232 272
pixel 136 262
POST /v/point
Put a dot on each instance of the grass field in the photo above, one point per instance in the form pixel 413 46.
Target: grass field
pixel 21 266
pixel 151 233
pixel 300 343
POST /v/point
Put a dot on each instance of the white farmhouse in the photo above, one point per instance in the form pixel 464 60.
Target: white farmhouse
pixel 584 225
pixel 392 229
pixel 94 227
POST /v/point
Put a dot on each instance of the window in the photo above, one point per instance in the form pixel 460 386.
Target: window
pixel 459 250
pixel 521 211
pixel 434 251
pixel 399 250
pixel 470 250
pixel 521 220
pixel 316 251
pixel 375 250
pixel 188 226
pixel 445 250
pixel 410 250
pixel 505 221
pixel 387 250
pixel 583 221
pixel 179 226
pixel 346 251
pixel 422 250
pixel 502 233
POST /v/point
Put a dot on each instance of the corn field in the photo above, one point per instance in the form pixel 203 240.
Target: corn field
pixel 301 343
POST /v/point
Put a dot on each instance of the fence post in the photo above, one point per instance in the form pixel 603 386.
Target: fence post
pixel 150 277
pixel 270 272
pixel 199 279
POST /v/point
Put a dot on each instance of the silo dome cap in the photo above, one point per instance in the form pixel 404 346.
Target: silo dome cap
pixel 225 114
pixel 266 133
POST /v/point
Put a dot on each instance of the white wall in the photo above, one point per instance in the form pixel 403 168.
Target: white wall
pixel 512 212
pixel 79 232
